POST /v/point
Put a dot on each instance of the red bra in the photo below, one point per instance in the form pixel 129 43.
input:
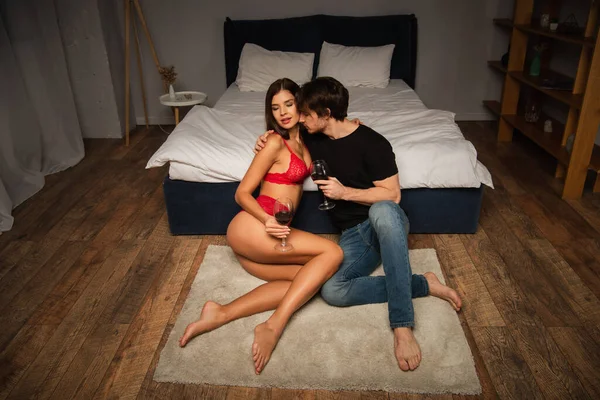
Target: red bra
pixel 296 173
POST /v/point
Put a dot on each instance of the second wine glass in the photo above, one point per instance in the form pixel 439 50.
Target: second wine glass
pixel 319 171
pixel 283 211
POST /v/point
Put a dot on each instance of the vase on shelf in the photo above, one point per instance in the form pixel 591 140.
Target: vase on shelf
pixel 545 21
pixel 532 111
pixel 171 92
pixel 536 64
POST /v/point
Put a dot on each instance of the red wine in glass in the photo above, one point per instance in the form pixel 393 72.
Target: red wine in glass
pixel 283 211
pixel 283 217
pixel 319 171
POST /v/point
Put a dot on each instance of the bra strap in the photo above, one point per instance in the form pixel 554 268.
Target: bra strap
pixel 286 145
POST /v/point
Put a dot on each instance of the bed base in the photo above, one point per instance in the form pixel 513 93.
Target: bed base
pixel 207 208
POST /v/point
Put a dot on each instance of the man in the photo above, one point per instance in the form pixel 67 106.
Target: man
pixel 365 186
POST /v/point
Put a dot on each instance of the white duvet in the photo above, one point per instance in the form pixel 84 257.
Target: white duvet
pixel 215 144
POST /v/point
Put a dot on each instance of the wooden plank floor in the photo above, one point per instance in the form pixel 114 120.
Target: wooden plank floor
pixel 91 282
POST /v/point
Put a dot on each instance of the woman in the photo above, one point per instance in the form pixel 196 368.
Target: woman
pixel 292 277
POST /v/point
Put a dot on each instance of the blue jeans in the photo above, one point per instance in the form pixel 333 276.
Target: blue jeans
pixel 381 238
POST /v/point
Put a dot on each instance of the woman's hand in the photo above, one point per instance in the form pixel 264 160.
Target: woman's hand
pixel 261 141
pixel 356 121
pixel 274 229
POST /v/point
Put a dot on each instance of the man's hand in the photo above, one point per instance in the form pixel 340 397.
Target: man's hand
pixel 332 188
pixel 261 141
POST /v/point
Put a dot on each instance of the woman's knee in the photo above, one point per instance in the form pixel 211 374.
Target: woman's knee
pixel 335 256
pixel 338 255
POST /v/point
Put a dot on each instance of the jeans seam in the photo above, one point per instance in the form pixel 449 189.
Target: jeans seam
pixel 358 259
pixel 370 244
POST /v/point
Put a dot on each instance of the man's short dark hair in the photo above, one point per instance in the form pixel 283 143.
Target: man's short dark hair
pixel 321 94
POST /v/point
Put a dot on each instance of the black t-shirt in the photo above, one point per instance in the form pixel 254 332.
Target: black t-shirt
pixel 356 161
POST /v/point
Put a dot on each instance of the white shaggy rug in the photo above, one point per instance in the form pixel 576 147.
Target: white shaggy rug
pixel 323 347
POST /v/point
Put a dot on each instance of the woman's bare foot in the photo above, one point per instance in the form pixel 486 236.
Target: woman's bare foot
pixel 437 289
pixel 406 349
pixel 265 340
pixel 212 317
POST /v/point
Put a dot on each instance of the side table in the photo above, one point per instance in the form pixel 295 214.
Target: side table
pixel 182 99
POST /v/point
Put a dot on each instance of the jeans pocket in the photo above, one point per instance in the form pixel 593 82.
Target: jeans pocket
pixel 366 233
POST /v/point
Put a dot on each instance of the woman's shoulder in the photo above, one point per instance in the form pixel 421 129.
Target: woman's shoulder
pixel 274 141
pixel 273 146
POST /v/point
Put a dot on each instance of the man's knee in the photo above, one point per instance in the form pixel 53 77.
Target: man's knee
pixel 334 293
pixel 388 216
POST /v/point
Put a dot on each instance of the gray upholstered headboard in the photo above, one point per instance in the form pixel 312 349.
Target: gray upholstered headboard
pixel 306 35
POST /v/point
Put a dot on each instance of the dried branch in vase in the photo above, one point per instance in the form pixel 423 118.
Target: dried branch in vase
pixel 168 74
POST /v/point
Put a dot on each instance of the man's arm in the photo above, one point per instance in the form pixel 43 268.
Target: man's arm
pixel 386 189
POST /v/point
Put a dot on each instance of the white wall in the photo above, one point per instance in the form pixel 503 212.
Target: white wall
pixel 456 38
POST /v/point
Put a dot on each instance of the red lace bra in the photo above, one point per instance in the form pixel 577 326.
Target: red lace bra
pixel 296 173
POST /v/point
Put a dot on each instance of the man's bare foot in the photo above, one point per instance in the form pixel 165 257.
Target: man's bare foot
pixel 265 340
pixel 212 317
pixel 437 289
pixel 406 349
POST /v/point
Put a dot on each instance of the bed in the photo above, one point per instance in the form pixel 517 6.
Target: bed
pixel 210 150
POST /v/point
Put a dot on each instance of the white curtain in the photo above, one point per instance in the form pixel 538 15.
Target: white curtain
pixel 39 129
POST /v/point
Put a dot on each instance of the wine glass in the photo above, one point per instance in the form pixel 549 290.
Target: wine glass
pixel 320 171
pixel 283 211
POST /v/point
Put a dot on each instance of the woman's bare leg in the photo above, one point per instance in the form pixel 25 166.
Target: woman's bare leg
pixel 264 298
pixel 305 285
pixel 269 272
pixel 214 315
pixel 321 258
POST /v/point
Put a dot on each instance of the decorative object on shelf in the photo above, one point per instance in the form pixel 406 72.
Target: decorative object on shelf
pixel 553 25
pixel 532 111
pixel 169 76
pixel 570 26
pixel 558 82
pixel 548 126
pixel 536 63
pixel 545 21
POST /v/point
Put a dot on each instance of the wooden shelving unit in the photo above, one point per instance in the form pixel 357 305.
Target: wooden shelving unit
pixel 568 98
pixel 493 106
pixel 536 30
pixel 551 143
pixel 583 101
pixel 595 165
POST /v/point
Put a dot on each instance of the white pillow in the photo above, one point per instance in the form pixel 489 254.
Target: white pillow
pixel 259 67
pixel 357 66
